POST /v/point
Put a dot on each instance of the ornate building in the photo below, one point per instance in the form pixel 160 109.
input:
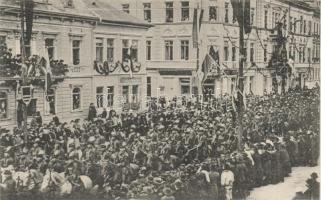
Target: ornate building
pixel 172 60
pixel 78 32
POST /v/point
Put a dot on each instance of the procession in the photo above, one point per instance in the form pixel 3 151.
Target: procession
pixel 172 153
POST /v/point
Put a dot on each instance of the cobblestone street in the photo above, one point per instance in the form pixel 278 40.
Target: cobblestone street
pixel 287 189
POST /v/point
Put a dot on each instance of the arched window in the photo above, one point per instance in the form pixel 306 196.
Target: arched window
pixel 76 99
pixel 3 105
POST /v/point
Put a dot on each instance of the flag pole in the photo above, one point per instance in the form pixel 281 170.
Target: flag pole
pixel 240 92
pixel 23 75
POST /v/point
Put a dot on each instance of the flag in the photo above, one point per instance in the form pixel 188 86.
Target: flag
pixel 215 55
pixel 48 72
pixel 195 29
pixel 247 16
pixel 197 23
pixel 28 11
pixel 207 65
pixel 241 10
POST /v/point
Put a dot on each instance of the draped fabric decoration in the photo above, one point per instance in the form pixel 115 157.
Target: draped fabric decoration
pixel 28 11
pixel 107 68
pixel 197 23
pixel 215 55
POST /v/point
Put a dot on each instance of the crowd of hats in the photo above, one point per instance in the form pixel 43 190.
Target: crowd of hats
pixel 169 146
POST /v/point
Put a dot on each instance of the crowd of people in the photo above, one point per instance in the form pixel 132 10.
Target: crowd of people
pixel 175 153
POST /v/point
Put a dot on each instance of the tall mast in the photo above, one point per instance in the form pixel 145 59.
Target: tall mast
pixel 240 89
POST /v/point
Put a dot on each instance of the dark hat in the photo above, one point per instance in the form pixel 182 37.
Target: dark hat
pixel 314 175
pixel 7 172
pixel 167 191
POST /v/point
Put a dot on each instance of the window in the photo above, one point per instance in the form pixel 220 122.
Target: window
pixel 294 56
pixel 51 102
pixel 265 53
pixel 185 11
pixel 232 85
pixel 149 86
pixel 304 27
pixel 184 49
pixel 110 96
pixel 226 51
pixel 2 40
pixel 300 54
pixel 314 51
pixel 76 99
pixel 169 11
pixel 245 52
pixel 76 52
pixel 99 49
pixel 252 16
pixel 252 52
pixel 212 13
pixel 309 55
pixel 185 86
pixel 301 24
pixel 291 24
pixel 233 52
pixel 3 105
pixel 226 12
pixel 110 50
pixel 266 18
pixel 251 83
pixel 135 97
pixel 32 108
pixel 277 15
pixel 290 51
pixel 303 54
pixel 148 50
pixel 125 51
pixel 273 19
pixel 147 12
pixel 125 8
pixel 100 97
pixel 168 50
pixel 49 44
pixel 125 94
pixel 134 50
pixel 294 25
pixel 309 27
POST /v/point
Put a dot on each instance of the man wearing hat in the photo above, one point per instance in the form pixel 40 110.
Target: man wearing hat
pixel 168 194
pixel 7 160
pixel 227 180
pixel 8 186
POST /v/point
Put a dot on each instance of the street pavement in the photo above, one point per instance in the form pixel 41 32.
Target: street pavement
pixel 286 190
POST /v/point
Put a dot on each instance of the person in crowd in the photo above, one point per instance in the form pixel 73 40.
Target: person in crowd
pixel 227 180
pixel 92 112
pixel 8 186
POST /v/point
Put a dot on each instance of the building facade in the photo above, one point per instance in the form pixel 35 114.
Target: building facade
pixel 78 32
pixel 171 58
